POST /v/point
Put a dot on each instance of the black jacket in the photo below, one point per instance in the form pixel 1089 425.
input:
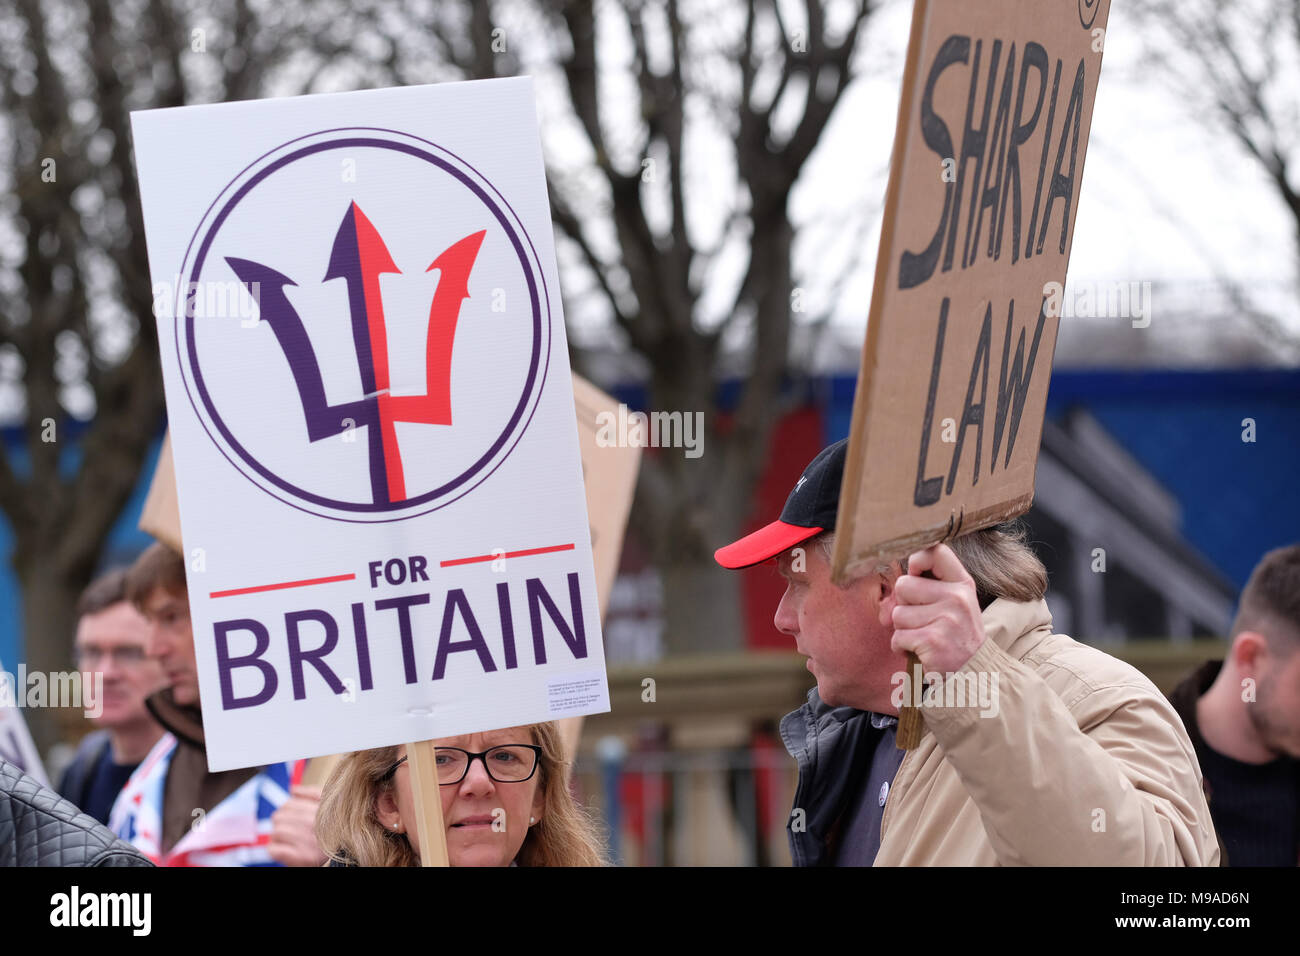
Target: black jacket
pixel 40 828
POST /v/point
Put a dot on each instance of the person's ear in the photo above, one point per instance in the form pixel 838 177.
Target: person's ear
pixel 884 583
pixel 386 811
pixel 1249 652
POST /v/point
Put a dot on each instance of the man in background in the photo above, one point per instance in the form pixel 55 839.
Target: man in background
pixel 110 640
pixel 1243 716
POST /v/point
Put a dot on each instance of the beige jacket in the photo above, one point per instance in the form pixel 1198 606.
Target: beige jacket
pixel 1085 763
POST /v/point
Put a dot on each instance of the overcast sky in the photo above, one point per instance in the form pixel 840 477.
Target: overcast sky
pixel 1165 196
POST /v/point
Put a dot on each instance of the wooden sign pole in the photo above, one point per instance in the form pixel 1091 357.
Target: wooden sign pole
pixel 428 804
pixel 911 725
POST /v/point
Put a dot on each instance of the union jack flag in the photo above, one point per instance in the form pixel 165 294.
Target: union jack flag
pixel 236 832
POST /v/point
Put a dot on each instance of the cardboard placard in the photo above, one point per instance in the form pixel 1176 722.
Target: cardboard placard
pixel 984 185
pixel 609 475
pixel 161 514
pixel 371 420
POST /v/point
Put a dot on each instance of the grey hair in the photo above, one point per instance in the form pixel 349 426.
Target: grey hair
pixel 826 542
pixel 999 559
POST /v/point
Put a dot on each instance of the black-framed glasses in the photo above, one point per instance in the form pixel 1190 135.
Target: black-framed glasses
pixel 508 763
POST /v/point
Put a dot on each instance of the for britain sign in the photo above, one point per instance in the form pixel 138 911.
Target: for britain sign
pixel 370 404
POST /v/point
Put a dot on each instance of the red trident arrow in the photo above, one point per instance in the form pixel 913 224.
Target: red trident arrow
pixel 359 256
pixel 434 406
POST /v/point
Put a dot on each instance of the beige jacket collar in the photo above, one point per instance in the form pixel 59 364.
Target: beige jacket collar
pixel 1017 628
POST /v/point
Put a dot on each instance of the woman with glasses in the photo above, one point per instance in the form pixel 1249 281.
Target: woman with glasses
pixel 505 801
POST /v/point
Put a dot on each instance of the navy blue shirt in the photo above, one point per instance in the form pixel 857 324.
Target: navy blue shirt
pixel 106 781
pixel 860 834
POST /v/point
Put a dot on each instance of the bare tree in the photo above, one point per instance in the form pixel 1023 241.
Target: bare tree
pixel 78 344
pixel 1237 68
pixel 78 341
pixel 652 91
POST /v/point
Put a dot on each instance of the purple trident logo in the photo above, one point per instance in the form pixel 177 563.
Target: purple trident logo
pixel 356 362
pixel 359 257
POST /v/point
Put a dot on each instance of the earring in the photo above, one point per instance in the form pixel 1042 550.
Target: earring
pixel 532 819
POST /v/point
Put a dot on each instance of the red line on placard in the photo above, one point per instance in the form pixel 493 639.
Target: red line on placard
pixel 509 554
pixel 283 585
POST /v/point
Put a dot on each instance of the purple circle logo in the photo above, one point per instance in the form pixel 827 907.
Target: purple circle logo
pixel 364 327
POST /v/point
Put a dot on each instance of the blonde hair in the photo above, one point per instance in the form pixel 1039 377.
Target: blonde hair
pixel 348 827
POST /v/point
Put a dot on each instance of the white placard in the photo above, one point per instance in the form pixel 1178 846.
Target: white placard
pixel 372 416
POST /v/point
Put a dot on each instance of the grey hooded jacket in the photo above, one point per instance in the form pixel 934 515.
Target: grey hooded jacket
pixel 833 747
